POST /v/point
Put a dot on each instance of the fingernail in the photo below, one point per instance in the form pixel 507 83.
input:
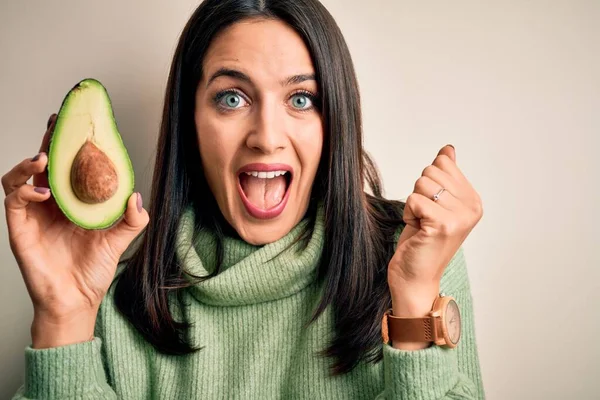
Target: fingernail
pixel 41 190
pixel 37 157
pixel 451 146
pixel 139 202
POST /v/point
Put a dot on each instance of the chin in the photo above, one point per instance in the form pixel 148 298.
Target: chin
pixel 259 235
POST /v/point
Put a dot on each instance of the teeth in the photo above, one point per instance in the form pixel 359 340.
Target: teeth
pixel 266 175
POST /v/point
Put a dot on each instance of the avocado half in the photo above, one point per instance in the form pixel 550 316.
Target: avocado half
pixel 89 170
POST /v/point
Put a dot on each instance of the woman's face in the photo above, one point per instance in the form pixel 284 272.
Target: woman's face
pixel 259 131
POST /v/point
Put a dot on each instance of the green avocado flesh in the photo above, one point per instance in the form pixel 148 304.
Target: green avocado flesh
pixel 89 170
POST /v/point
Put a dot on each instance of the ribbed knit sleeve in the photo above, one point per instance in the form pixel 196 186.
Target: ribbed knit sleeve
pixel 73 371
pixel 436 372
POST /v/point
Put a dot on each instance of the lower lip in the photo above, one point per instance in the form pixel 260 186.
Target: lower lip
pixel 259 212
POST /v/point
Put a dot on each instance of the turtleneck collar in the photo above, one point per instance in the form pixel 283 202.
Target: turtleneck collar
pixel 250 274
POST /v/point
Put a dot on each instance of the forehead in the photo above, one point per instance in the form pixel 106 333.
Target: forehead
pixel 262 48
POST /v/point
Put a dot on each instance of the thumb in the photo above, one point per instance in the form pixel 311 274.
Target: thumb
pixel 133 222
pixel 448 150
pixel 407 232
pixel 413 224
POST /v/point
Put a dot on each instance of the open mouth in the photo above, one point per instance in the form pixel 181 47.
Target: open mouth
pixel 264 188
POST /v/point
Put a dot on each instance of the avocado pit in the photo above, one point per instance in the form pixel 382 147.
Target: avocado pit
pixel 94 177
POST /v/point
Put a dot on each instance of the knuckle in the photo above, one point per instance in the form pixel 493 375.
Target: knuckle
pixel 23 192
pixel 427 170
pixel 9 200
pixel 441 160
pixel 421 184
pixel 430 231
pixel 478 205
pixel 411 199
pixel 448 228
pixel 479 210
pixel 410 203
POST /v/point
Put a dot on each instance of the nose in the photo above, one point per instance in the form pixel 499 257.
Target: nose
pixel 267 134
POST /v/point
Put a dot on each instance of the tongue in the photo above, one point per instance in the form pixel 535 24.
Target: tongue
pixel 263 193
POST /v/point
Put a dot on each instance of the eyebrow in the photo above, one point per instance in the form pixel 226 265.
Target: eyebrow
pixel 233 73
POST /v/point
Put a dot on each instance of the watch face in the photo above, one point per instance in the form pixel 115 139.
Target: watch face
pixel 453 321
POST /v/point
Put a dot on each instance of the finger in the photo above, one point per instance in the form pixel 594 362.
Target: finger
pixel 421 212
pixel 446 164
pixel 428 188
pixel 448 150
pixel 15 204
pixel 49 129
pixel 41 179
pixel 22 172
pixel 443 179
pixel 133 222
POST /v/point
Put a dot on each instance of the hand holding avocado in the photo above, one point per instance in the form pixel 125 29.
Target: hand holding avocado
pixel 68 232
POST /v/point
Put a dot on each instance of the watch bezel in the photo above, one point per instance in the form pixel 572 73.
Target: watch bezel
pixel 439 313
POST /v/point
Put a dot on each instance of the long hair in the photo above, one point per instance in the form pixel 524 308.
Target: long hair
pixel 359 226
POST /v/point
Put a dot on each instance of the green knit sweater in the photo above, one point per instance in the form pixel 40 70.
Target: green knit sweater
pixel 249 320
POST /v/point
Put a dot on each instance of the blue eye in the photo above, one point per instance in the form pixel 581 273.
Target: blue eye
pixel 301 101
pixel 230 100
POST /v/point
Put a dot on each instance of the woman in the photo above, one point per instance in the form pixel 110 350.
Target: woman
pixel 264 269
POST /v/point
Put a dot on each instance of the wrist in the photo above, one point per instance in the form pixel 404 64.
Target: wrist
pixel 47 332
pixel 413 302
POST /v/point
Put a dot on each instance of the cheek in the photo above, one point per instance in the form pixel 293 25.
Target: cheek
pixel 310 147
pixel 215 150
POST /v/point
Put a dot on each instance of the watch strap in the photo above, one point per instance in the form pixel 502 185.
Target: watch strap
pixel 410 329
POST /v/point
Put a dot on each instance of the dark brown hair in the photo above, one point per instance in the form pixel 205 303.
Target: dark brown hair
pixel 359 226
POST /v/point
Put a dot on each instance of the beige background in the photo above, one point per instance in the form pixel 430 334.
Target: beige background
pixel 514 85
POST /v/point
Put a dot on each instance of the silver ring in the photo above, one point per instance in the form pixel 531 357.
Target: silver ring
pixel 436 196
